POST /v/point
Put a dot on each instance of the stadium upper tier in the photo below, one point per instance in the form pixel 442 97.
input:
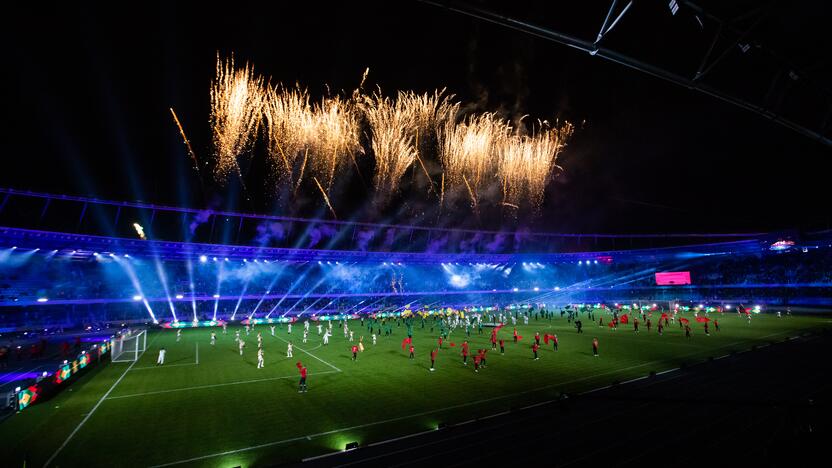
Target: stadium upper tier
pixel 135 220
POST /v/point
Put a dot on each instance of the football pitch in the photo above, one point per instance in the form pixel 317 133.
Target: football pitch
pixel 209 406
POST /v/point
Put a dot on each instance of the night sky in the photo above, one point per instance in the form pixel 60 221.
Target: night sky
pixel 89 86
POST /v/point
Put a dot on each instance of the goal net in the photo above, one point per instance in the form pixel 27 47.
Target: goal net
pixel 129 345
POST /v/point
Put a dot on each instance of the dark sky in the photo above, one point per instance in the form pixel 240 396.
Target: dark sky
pixel 89 87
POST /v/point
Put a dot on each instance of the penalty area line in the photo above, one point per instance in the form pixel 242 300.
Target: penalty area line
pixel 89 415
pixel 307 352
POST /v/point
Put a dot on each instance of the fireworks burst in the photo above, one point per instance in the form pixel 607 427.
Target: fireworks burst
pixel 289 124
pixel 322 139
pixel 237 100
pixel 525 163
pixel 335 140
pixel 392 140
pixel 468 150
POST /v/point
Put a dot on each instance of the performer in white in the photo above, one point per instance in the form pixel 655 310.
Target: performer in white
pixel 374 339
pixel 326 337
pixel 242 345
pixel 306 325
pixel 259 340
pixel 319 328
pixel 350 335
pixel 178 335
pixel 161 360
pixel 248 330
pixel 290 328
pixel 305 334
pixel 272 328
pixel 224 328
pixel 260 361
pixel 213 338
pixel 237 336
pixel 289 350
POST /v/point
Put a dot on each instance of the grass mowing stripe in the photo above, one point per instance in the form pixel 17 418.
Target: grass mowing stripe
pixel 439 410
pixel 200 387
pixel 89 415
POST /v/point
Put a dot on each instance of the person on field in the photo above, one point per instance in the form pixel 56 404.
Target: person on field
pixel 595 347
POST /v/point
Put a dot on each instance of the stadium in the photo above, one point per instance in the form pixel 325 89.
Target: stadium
pixel 430 234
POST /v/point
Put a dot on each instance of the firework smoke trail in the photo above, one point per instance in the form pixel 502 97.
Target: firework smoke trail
pixel 326 198
pixel 302 168
pixel 471 193
pixel 185 139
pixel 237 101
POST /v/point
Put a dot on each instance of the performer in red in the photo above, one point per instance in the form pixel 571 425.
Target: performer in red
pixel 440 342
pixel 555 342
pixel 535 347
pixel 411 351
pixel 537 339
pixel 595 347
pixel 354 352
pixel 716 325
pixel 494 341
pixel 687 331
pixel 433 358
pixel 660 328
pixel 465 353
pixel 648 325
pixel 484 353
pixel 302 386
pixel 477 360
pixel 707 333
pixel 635 325
pixel 502 346
pixel 515 334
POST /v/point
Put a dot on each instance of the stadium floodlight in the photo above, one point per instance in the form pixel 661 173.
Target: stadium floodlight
pixel 203 259
pixel 216 296
pixel 14 247
pixel 42 299
pixel 137 297
pixel 536 288
pixel 215 259
pixel 728 306
pixel 179 296
pixel 515 289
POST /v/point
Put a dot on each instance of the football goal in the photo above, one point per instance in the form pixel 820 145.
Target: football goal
pixel 129 345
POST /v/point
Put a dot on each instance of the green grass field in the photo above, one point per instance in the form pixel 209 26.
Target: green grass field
pixel 223 411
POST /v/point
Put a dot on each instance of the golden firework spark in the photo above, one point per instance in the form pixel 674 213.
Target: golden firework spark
pixel 185 139
pixel 237 100
pixel 326 198
pixel 139 230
